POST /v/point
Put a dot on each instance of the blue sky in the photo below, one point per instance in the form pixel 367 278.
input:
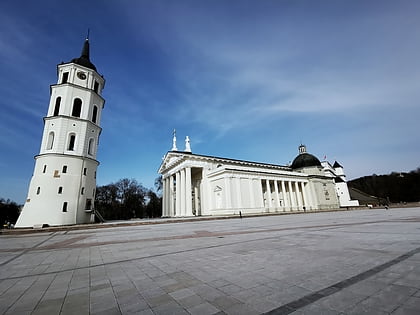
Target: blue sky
pixel 243 79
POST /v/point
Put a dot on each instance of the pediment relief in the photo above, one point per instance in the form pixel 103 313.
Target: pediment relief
pixel 217 189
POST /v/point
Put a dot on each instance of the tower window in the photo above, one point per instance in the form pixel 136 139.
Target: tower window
pixel 65 206
pixel 64 168
pixel 77 107
pixel 60 190
pixel 38 190
pixel 90 146
pixel 72 140
pixel 44 169
pixel 96 86
pixel 50 141
pixel 85 171
pixel 65 77
pixel 94 114
pixel 82 192
pixel 57 106
pixel 88 204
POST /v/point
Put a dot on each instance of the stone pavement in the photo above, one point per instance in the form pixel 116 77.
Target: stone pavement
pixel 348 262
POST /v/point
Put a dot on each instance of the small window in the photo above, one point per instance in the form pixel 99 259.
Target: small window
pixel 72 140
pixel 96 86
pixel 65 77
pixel 82 192
pixel 85 171
pixel 65 169
pixel 50 141
pixel 77 107
pixel 88 204
pixel 38 190
pixel 60 190
pixel 57 106
pixel 95 174
pixel 65 206
pixel 45 169
pixel 90 146
pixel 56 174
pixel 94 114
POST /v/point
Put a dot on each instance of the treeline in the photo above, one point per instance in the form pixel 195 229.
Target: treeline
pixel 9 212
pixel 127 199
pixel 394 187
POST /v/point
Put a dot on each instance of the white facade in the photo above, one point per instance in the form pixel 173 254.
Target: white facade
pixel 62 188
pixel 337 172
pixel 207 185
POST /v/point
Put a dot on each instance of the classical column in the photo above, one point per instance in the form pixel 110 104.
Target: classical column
pixel 166 193
pixel 188 190
pixel 178 194
pixel 292 197
pixel 285 200
pixel 171 196
pixel 196 200
pixel 269 203
pixel 168 198
pixel 307 196
pixel 251 192
pixel 227 194
pixel 183 203
pixel 276 190
pixel 237 181
pixel 299 196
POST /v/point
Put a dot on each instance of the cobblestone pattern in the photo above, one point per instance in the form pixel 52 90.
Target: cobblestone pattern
pixel 349 262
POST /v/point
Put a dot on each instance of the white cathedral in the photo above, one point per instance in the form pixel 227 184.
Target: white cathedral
pixel 195 185
pixel 63 184
pixel 62 188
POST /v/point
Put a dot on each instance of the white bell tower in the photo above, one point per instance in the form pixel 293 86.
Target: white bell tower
pixel 62 188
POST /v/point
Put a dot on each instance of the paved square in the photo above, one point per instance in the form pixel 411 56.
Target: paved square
pixel 348 262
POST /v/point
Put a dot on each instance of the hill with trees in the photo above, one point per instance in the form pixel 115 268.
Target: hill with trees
pixel 395 187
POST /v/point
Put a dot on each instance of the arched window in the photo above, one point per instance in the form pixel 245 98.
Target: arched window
pixel 90 146
pixel 72 140
pixel 94 114
pixel 57 106
pixel 77 107
pixel 50 141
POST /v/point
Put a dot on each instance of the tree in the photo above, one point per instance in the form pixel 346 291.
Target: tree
pixel 154 206
pixel 9 212
pixel 124 199
pixel 159 184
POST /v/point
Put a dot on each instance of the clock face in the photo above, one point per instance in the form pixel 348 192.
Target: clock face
pixel 81 75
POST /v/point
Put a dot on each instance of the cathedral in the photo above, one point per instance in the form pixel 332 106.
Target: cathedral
pixel 195 185
pixel 63 184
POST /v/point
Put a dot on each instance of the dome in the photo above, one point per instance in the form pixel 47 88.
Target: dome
pixel 305 159
pixel 84 60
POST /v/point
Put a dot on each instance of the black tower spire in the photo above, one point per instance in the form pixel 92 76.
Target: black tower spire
pixel 84 59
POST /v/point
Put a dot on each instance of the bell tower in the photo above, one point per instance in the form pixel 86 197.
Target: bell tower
pixel 62 188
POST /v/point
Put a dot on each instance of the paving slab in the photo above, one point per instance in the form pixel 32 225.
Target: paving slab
pixel 344 262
